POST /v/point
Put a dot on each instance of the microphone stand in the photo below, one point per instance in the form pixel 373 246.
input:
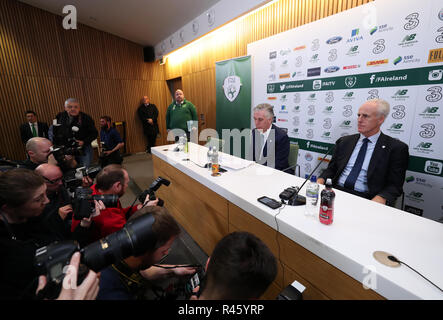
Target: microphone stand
pixel 299 200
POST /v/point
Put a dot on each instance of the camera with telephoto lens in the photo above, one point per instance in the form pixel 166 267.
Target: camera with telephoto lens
pixel 65 142
pixel 73 178
pixel 151 191
pixel 83 202
pixel 136 238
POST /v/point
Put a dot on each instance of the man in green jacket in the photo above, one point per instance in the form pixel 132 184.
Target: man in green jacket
pixel 179 113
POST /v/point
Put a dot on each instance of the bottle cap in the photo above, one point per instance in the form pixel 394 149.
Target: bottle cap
pixel 306 176
pixel 313 178
pixel 329 182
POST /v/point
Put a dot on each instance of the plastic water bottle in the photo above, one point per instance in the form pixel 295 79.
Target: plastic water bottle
pixel 312 188
pixel 181 143
pixel 185 144
pixel 210 154
pixel 214 164
pixel 326 214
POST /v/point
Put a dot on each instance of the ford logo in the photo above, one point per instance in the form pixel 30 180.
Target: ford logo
pixel 332 69
pixel 334 40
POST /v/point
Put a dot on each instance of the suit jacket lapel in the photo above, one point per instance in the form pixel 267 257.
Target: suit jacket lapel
pixel 348 151
pixel 378 153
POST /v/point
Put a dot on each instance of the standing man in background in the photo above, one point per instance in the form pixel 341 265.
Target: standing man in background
pixel 33 128
pixel 148 114
pixel 179 113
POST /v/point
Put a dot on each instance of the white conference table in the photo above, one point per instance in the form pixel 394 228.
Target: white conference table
pixel 360 227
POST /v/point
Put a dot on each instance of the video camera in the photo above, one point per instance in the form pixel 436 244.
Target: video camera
pixel 83 202
pixel 151 191
pixel 134 239
pixel 65 142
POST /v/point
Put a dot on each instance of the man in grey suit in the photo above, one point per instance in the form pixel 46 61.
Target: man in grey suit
pixel 369 164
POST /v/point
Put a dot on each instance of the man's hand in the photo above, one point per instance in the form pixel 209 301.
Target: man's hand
pixel 64 211
pixel 86 182
pixel 80 142
pixel 87 290
pixel 321 181
pixel 107 153
pixel 154 272
pixel 379 199
pixel 148 203
pixel 150 121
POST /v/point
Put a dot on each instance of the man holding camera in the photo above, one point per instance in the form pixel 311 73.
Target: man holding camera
pixel 112 180
pixel 76 125
pixel 111 143
pixel 129 279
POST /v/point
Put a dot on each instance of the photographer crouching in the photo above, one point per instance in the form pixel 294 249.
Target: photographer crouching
pixel 22 202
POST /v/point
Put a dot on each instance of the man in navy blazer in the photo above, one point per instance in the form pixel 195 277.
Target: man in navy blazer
pixel 380 173
pixel 26 131
pixel 270 144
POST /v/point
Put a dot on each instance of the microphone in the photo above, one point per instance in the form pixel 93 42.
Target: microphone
pixel 299 200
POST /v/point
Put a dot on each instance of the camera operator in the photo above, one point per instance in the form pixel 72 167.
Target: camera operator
pixel 39 151
pixel 87 290
pixel 73 117
pixel 129 278
pixel 111 142
pixel 241 267
pixel 22 201
pixel 112 179
pixel 58 212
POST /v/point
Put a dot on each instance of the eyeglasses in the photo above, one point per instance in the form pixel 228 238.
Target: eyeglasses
pixel 53 181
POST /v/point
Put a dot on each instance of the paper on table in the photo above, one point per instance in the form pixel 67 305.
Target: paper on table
pixel 236 163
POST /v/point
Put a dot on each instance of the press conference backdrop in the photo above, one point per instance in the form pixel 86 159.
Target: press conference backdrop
pixel 317 75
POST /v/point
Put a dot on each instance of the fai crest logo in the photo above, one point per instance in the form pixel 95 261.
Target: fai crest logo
pixel 231 87
pixel 350 81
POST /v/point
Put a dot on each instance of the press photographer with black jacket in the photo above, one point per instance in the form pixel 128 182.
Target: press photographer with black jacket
pixel 22 201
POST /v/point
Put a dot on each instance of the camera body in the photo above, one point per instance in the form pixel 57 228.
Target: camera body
pixel 136 238
pixel 73 178
pixel 151 190
pixel 83 202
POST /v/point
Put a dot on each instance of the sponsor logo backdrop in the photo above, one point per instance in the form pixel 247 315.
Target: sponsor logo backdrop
pixel 316 76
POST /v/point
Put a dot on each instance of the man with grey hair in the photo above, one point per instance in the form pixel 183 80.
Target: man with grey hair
pixel 270 144
pixel 369 164
pixel 71 119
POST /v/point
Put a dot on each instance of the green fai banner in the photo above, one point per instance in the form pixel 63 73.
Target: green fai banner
pixel 405 77
pixel 233 95
pixel 313 146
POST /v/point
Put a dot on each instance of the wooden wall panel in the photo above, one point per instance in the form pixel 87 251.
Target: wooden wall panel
pixel 42 64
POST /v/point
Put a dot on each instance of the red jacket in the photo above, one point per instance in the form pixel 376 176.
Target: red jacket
pixel 109 221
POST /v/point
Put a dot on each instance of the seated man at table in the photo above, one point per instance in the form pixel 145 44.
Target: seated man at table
pixel 241 267
pixel 369 164
pixel 270 144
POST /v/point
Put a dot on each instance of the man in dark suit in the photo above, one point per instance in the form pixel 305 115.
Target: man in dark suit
pixel 369 164
pixel 148 114
pixel 33 128
pixel 270 144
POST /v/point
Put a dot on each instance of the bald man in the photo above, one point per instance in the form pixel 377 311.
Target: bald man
pixel 57 214
pixel 38 150
pixel 179 113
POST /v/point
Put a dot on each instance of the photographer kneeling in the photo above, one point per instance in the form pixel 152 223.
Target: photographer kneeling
pixel 129 278
pixel 22 200
pixel 112 180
